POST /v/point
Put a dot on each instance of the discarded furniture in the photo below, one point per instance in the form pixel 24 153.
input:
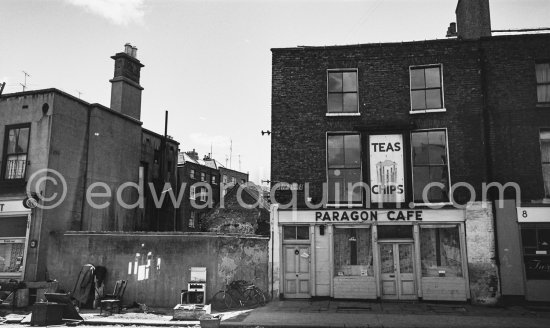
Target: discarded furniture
pixel 113 302
pixel 69 311
pixel 190 311
pixel 46 313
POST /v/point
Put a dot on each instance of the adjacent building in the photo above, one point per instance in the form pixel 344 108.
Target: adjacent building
pixel 381 155
pixel 75 161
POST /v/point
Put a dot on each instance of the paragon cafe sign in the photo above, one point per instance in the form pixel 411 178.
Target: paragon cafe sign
pixel 387 177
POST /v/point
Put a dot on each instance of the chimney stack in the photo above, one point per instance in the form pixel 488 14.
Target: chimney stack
pixel 473 19
pixel 125 89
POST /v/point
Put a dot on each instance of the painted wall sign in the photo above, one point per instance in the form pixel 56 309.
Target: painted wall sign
pixel 371 215
pixel 533 214
pixel 387 172
pixel 12 206
pixel 290 186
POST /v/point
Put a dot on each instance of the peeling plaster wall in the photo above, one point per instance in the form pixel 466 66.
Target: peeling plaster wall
pixel 480 247
pixel 153 282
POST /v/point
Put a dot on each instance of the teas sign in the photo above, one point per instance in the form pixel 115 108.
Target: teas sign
pixel 387 178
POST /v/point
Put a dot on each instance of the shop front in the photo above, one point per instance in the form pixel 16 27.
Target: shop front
pixel 388 254
pixel 14 233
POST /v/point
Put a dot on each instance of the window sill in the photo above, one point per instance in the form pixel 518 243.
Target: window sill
pixel 343 114
pixel 429 205
pixel 543 105
pixel 336 206
pixel 426 111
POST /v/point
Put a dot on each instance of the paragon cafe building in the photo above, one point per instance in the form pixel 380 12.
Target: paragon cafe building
pixel 386 252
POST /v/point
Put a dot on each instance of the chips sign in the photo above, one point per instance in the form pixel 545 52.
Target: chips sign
pixel 387 177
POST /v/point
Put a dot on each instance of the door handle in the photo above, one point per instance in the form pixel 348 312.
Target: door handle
pixel 296 276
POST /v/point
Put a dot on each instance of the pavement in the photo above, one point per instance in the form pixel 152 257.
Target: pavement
pixel 334 313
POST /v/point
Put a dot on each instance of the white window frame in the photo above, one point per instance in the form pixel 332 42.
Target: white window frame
pixel 343 205
pixel 214 179
pixel 336 70
pixel 191 221
pixel 433 110
pixel 203 176
pixel 438 204
pixel 192 192
pixel 202 195
pixel 192 173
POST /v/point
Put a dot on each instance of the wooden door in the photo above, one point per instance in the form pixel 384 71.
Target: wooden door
pixel 397 271
pixel 296 271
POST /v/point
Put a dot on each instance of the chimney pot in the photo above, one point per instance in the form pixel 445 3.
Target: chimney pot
pixel 134 52
pixel 128 49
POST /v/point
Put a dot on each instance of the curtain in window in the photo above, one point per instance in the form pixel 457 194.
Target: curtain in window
pixel 353 252
pixel 440 252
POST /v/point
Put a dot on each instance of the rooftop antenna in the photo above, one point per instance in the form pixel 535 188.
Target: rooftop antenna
pixel 230 153
pixel 79 93
pixel 24 85
pixel 226 159
pixel 211 151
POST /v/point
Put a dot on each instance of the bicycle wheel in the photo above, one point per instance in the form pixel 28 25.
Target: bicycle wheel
pixel 221 301
pixel 260 296
pixel 250 298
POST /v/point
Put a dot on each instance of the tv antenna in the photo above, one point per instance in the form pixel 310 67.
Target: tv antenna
pixel 79 93
pixel 24 84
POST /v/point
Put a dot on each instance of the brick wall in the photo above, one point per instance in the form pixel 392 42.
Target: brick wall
pixel 299 121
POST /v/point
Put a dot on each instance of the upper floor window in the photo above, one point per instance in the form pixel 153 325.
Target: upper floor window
pixel 342 91
pixel 192 174
pixel 191 222
pixel 545 158
pixel 224 180
pixel 233 180
pixel 430 164
pixel 192 192
pixel 344 167
pixel 426 88
pixel 214 180
pixel 15 152
pixel 203 176
pixel 543 83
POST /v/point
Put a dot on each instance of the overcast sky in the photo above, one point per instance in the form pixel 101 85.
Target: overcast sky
pixel 209 62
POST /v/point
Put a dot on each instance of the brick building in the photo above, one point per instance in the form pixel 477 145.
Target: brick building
pixel 47 131
pixel 397 117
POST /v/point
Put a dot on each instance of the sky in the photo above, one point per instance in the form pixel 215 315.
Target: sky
pixel 208 63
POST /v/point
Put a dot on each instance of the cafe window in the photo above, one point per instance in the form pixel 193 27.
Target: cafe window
pixel 15 152
pixel 344 168
pixel 342 91
pixel 12 243
pixel 535 240
pixel 426 88
pixel 300 232
pixel 430 164
pixel 543 83
pixel 440 251
pixel 353 252
pixel 545 159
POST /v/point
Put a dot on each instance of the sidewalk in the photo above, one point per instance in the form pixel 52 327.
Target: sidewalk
pixel 372 314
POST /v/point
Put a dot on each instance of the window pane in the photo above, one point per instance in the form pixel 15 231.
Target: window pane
pixel 336 182
pixel 420 149
pixel 439 174
pixel 386 258
pixel 417 79
pixel 421 177
pixel 405 258
pixel 545 150
pixel 350 102
pixel 543 93
pixel 546 177
pixel 352 150
pixel 352 176
pixel 12 141
pixel 23 140
pixel 335 102
pixel 436 147
pixel 350 81
pixel 11 256
pixel 543 72
pixel 335 151
pixel 335 82
pixel 529 237
pixel 395 231
pixel 302 232
pixel 353 252
pixel 433 79
pixel 289 232
pixel 433 98
pixel 440 252
pixel 418 99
